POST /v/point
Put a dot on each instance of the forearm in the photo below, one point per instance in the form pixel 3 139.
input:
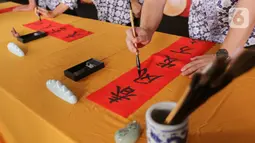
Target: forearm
pixel 28 7
pixel 136 8
pixel 61 8
pixel 237 37
pixel 32 3
pixel 152 13
pixel 134 1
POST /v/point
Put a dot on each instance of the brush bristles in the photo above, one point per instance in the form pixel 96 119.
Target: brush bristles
pixel 218 76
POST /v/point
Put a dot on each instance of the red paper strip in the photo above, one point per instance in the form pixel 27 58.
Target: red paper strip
pixel 64 32
pixel 9 9
pixel 127 93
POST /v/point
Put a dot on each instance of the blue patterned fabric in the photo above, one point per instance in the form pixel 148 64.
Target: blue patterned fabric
pixel 114 11
pixel 209 20
pixel 52 4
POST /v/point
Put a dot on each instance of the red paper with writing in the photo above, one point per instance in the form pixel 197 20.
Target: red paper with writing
pixel 64 32
pixel 127 93
pixel 9 9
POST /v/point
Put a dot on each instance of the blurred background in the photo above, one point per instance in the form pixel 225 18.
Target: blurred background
pixel 172 25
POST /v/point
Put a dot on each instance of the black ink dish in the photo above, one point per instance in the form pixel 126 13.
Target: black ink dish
pixel 84 69
pixel 31 36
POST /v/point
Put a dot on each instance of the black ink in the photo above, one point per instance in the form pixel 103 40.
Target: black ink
pixel 193 41
pixel 120 94
pixel 75 33
pixel 53 31
pixel 146 78
pixel 168 62
pixel 183 50
pixel 49 26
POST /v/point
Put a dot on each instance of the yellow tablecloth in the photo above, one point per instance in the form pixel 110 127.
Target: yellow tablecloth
pixel 29 113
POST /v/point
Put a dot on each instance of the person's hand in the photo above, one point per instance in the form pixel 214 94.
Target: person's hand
pixel 23 8
pixel 36 12
pixel 44 13
pixel 14 33
pixel 136 7
pixel 197 64
pixel 143 38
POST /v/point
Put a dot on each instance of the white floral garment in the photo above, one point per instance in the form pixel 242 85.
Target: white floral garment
pixel 209 20
pixel 52 4
pixel 114 11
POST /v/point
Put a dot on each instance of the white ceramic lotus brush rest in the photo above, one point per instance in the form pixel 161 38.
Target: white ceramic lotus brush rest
pixel 13 48
pixel 61 91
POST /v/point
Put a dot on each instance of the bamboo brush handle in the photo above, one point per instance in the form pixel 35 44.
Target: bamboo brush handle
pixel 132 22
pixel 133 27
pixel 177 108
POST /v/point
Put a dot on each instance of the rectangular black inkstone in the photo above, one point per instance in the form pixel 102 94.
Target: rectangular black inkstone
pixel 83 69
pixel 31 36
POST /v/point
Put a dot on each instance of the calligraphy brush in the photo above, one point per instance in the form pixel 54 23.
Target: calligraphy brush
pixel 138 64
pixel 39 15
pixel 189 95
pixel 242 64
pixel 183 99
pixel 204 90
pixel 15 33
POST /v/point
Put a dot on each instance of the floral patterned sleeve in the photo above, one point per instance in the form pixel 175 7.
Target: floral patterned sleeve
pixel 209 20
pixel 72 4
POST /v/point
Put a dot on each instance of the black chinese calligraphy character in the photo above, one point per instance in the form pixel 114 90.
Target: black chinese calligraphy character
pixel 168 62
pixel 183 50
pixel 75 33
pixel 193 41
pixel 121 94
pixel 53 31
pixel 49 26
pixel 146 78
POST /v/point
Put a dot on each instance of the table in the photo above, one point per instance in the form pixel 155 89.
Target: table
pixel 29 113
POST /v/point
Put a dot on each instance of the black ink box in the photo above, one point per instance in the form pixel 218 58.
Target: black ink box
pixel 83 69
pixel 32 36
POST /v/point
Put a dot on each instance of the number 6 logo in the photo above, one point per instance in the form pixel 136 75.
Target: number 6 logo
pixel 239 17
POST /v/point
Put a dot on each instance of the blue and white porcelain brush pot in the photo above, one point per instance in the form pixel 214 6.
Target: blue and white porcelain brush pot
pixel 157 131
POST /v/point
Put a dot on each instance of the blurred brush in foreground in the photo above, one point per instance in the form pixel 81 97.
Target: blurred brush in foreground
pixel 212 80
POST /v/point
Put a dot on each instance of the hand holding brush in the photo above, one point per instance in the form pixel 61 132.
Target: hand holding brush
pixel 38 13
pixel 36 10
pixel 15 33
